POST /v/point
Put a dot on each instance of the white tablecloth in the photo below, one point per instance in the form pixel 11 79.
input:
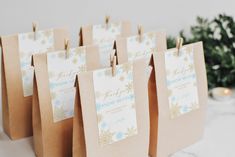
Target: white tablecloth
pixel 218 140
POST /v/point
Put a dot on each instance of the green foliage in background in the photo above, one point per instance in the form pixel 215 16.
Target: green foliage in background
pixel 218 36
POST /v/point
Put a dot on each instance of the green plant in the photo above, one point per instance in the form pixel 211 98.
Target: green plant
pixel 218 36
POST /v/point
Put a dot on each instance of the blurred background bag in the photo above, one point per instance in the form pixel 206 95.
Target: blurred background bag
pixel 104 36
pixel 17 76
pixel 139 46
pixel 53 98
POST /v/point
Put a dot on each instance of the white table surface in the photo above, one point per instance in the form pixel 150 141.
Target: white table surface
pixel 218 140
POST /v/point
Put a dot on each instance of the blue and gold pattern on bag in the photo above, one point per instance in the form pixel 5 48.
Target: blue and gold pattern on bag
pixel 115 104
pixel 62 72
pixel 137 49
pixel 181 81
pixel 104 36
pixel 29 45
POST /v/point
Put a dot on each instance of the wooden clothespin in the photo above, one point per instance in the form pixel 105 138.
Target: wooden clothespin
pixel 113 60
pixel 107 21
pixel 66 47
pixel 179 44
pixel 140 33
pixel 35 30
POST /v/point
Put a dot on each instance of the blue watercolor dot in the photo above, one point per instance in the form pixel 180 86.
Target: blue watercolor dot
pixel 119 135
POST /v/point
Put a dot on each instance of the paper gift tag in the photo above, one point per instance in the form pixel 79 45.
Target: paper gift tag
pixel 137 49
pixel 181 81
pixel 62 71
pixel 104 36
pixel 28 45
pixel 115 104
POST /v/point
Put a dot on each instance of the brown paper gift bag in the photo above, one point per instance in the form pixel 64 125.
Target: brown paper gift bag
pixel 178 116
pixel 140 45
pixel 17 76
pixel 53 98
pixel 104 35
pixel 111 112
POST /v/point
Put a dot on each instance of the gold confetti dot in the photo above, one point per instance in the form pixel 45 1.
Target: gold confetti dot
pixel 75 61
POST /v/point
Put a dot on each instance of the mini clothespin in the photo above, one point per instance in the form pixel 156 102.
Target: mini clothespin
pixel 179 44
pixel 66 47
pixel 107 21
pixel 113 60
pixel 35 30
pixel 140 33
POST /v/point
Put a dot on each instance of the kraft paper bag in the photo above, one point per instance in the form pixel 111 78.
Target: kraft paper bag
pixel 17 76
pixel 104 35
pixel 54 95
pixel 111 112
pixel 140 46
pixel 178 116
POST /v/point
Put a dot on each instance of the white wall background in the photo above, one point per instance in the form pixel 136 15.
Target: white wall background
pixel 171 15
